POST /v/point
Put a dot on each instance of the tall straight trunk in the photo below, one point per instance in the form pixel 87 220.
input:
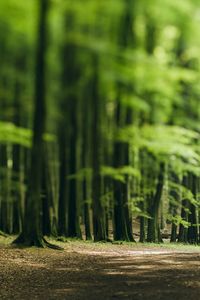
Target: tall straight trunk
pixel 17 211
pixel 175 194
pixel 62 203
pixel 143 209
pixel 142 193
pixel 99 225
pixel 32 232
pixel 183 231
pixel 73 210
pixel 52 187
pixel 88 234
pixel 192 218
pixel 69 201
pixel 122 227
pixel 122 214
pixel 153 229
pixel 86 160
pixel 4 212
pixel 153 234
pixel 17 153
pixel 5 171
pixel 46 198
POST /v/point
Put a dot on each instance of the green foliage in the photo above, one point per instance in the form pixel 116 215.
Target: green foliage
pixel 12 134
pixel 120 174
pixel 9 133
pixel 174 144
pixel 178 221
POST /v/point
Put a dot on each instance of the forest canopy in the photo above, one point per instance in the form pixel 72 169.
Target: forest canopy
pixel 99 120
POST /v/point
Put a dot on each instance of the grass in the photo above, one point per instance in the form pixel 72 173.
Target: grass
pixel 7 240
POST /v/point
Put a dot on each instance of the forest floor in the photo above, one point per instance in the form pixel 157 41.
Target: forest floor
pixel 87 271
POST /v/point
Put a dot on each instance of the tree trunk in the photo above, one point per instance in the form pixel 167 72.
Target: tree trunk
pixel 99 226
pixel 153 234
pixel 32 231
pixel 122 214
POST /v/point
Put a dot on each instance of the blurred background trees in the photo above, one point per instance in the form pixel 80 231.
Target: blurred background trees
pixel 109 93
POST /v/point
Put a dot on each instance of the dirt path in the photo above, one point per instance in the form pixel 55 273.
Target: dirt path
pixel 98 271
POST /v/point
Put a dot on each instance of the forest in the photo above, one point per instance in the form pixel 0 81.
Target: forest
pixel 99 134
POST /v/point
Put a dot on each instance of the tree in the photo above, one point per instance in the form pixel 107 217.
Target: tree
pixel 122 213
pixel 32 232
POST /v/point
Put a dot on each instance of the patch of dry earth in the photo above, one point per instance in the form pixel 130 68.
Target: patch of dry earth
pixel 100 272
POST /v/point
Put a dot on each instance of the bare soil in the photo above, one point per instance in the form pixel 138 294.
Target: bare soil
pixel 87 271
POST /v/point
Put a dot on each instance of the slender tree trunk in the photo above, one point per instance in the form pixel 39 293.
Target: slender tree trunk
pixel 192 217
pixel 73 217
pixel 99 226
pixel 17 157
pixel 86 161
pixel 122 214
pixel 62 204
pixel 153 234
pixel 175 194
pixel 183 231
